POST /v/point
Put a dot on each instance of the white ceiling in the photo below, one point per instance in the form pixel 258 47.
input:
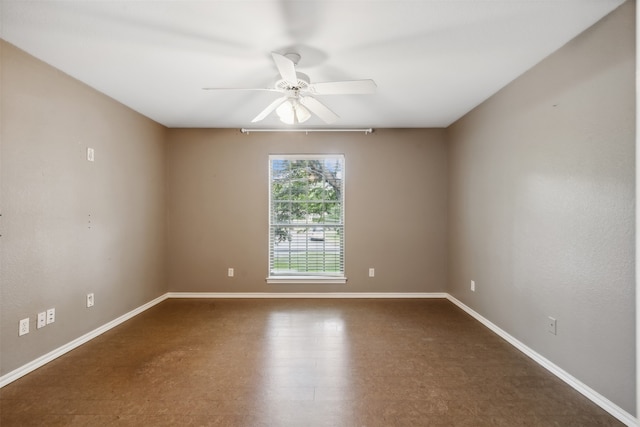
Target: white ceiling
pixel 433 61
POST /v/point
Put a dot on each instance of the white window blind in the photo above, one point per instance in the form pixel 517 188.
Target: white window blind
pixel 306 220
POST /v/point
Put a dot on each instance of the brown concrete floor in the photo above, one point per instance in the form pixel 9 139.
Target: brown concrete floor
pixel 293 362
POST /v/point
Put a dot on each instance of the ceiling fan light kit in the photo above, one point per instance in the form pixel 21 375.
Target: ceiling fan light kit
pixel 292 112
pixel 298 102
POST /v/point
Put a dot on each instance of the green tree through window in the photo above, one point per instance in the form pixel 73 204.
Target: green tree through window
pixel 306 216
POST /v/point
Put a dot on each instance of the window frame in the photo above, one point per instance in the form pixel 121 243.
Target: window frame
pixel 326 278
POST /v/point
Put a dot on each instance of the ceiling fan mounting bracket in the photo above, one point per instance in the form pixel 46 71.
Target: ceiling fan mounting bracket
pixel 294 57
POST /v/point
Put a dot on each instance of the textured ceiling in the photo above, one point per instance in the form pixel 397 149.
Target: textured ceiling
pixel 432 61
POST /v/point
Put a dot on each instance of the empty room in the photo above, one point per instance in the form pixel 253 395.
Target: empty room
pixel 318 213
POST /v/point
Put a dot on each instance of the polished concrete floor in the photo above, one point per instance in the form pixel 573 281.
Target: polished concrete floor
pixel 297 362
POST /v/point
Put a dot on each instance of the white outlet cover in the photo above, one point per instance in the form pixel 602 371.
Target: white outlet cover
pixel 51 315
pixel 90 300
pixel 372 272
pixel 230 272
pixel 552 325
pixel 90 154
pixel 24 327
pixel 42 320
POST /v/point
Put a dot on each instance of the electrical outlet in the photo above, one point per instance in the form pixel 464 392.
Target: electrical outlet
pixel 90 300
pixel 51 315
pixel 230 272
pixel 552 326
pixel 473 286
pixel 24 327
pixel 42 320
pixel 91 154
pixel 372 272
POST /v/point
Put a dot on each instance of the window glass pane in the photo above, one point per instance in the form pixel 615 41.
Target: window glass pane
pixel 306 219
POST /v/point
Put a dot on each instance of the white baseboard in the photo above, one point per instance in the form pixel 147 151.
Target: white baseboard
pixel 587 391
pixel 306 295
pixel 43 360
pixel 591 394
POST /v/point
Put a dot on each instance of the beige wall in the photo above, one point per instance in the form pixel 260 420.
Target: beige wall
pixel 395 209
pixel 70 227
pixel 542 207
pixel 531 195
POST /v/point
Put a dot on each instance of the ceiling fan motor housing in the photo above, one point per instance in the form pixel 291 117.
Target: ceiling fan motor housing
pixel 302 85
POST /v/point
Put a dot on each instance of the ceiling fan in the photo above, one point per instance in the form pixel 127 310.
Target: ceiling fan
pixel 297 101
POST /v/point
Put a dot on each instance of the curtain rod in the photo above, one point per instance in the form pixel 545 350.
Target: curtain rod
pixel 366 131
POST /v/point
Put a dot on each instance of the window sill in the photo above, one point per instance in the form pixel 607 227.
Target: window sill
pixel 306 279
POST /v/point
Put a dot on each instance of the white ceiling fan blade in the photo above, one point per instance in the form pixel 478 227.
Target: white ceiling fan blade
pixel 319 109
pixel 286 68
pixel 243 88
pixel 349 87
pixel 275 104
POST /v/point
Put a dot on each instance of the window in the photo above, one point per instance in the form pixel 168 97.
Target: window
pixel 306 220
